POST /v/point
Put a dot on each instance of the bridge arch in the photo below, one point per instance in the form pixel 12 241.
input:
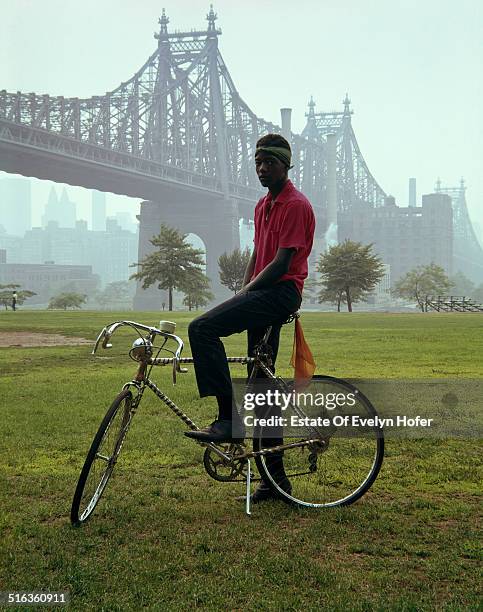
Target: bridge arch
pixel 215 223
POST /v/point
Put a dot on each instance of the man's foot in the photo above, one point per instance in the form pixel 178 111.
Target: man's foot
pixel 264 493
pixel 218 431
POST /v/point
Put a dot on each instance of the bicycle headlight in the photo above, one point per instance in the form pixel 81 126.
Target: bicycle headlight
pixel 141 349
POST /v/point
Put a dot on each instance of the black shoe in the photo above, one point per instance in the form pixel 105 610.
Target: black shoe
pixel 264 493
pixel 218 431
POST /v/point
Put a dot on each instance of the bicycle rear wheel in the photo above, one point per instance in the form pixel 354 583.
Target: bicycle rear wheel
pixel 340 464
pixel 101 458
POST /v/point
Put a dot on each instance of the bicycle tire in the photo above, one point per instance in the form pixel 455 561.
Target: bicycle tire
pixel 91 485
pixel 331 483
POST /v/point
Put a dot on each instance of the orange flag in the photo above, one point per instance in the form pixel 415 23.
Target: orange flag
pixel 302 359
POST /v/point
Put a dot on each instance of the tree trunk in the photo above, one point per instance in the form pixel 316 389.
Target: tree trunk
pixel 338 302
pixel 348 296
pixel 170 299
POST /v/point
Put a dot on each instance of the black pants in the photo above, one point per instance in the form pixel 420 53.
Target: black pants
pixel 253 311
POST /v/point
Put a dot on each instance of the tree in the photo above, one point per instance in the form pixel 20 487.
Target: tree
pixel 350 271
pixel 422 281
pixel 119 293
pixel 67 300
pixel 196 290
pixel 310 290
pixel 461 284
pixel 478 293
pixel 6 294
pixel 232 268
pixel 171 264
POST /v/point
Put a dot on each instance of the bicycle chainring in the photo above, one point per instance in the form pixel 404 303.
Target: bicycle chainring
pixel 225 470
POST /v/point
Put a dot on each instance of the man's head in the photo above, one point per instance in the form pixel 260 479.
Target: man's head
pixel 272 159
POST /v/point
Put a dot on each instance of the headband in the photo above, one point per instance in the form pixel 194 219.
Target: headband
pixel 281 153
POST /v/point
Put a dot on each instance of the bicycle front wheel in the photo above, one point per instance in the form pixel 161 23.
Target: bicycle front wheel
pixel 326 465
pixel 101 458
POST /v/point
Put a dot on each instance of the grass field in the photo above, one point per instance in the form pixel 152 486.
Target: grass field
pixel 167 537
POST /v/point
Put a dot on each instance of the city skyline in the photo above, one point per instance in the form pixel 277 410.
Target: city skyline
pixel 81 198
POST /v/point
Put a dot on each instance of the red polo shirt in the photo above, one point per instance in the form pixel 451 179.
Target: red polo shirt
pixel 290 224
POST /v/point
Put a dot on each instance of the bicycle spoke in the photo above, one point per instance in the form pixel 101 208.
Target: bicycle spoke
pixel 102 458
pixel 335 471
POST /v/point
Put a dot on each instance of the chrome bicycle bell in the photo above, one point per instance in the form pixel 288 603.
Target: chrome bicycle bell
pixel 141 349
pixel 167 326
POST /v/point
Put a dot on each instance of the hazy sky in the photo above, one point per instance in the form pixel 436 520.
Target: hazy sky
pixel 412 68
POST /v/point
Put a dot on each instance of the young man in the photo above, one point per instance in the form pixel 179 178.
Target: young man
pixel 272 290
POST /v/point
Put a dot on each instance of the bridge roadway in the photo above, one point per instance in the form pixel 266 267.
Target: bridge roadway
pixel 36 153
pixel 191 202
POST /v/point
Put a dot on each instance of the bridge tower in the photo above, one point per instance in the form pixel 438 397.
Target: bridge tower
pixel 213 218
pixel 468 253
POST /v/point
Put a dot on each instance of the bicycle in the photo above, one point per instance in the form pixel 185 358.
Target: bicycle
pixel 327 465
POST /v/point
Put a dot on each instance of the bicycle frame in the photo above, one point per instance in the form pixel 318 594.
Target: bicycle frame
pixel 261 361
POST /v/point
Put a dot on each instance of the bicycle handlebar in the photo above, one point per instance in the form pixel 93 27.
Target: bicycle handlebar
pixel 107 332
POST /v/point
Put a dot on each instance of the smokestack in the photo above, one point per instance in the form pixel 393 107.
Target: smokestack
pixel 331 179
pixel 412 192
pixel 286 114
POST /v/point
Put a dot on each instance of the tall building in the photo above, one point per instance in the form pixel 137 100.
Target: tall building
pixel 51 212
pixel 67 210
pixel 125 220
pixel 122 247
pixel 404 237
pixel 98 211
pixel 15 206
pixel 61 211
pixel 12 245
pixel 109 253
pixel 412 192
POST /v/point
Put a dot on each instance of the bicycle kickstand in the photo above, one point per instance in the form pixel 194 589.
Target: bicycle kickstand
pixel 247 508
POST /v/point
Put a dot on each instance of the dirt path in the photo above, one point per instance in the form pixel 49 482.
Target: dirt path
pixel 23 338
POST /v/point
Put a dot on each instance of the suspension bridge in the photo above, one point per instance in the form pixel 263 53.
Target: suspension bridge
pixel 179 136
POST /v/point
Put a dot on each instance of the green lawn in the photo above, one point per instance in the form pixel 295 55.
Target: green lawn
pixel 167 537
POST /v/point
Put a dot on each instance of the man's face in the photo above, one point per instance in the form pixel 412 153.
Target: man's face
pixel 270 170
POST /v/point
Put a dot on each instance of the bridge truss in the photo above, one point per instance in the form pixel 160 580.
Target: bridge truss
pixel 180 119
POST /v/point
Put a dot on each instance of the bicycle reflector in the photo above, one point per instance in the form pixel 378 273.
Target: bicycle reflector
pixel 167 326
pixel 141 349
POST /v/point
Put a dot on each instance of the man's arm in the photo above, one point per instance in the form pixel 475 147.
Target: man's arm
pixel 271 273
pixel 250 267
